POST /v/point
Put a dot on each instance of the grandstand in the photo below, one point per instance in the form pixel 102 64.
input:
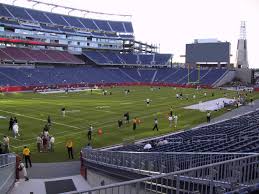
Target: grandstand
pixel 42 43
pixel 45 50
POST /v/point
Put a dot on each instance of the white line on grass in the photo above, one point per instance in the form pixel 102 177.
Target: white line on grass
pixel 18 114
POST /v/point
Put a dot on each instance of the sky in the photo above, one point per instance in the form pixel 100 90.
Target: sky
pixel 174 23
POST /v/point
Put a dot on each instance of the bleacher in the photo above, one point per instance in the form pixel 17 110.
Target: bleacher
pixel 234 135
pixel 217 158
pixel 47 21
pixel 110 58
pixel 26 55
pixel 24 76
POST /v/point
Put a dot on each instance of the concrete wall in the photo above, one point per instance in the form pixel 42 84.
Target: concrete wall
pixel 94 178
pixel 227 77
pixel 245 75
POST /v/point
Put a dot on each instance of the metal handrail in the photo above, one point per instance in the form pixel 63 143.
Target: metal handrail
pixel 131 182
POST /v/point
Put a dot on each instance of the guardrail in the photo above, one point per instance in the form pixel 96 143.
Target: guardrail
pixel 7 172
pixel 155 162
pixel 214 178
pixel 206 138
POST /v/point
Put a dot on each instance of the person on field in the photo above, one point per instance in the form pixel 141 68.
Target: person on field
pixel 63 111
pixel 11 124
pixel 148 101
pixel 16 130
pixel 49 121
pixel 15 120
pixel 26 154
pixel 119 123
pixel 89 134
pixel 171 111
pixel 51 143
pixel 175 120
pixel 170 119
pixel 69 146
pixel 155 124
pixel 134 123
pixel 126 117
pixel 208 117
pixel 45 143
pixel 6 144
pixel 39 143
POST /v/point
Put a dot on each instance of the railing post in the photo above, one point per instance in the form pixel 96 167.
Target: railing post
pixel 138 188
pixel 177 184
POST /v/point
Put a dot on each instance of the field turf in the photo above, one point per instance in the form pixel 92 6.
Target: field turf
pixel 84 108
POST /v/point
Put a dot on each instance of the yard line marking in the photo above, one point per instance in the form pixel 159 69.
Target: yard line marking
pixel 18 114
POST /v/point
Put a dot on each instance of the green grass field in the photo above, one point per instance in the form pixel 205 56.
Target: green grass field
pixel 84 108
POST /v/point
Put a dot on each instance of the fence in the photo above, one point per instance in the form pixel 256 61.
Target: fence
pixel 7 172
pixel 155 162
pixel 209 138
pixel 214 178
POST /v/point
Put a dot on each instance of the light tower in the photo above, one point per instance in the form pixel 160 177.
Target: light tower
pixel 241 58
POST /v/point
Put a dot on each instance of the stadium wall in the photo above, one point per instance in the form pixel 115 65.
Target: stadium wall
pixel 45 87
pixel 245 75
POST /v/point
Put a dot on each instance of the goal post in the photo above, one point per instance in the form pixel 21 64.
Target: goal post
pixel 198 68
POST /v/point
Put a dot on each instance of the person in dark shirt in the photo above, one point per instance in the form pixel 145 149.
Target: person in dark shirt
pixel 11 124
pixel 49 120
pixel 126 116
pixel 119 123
pixel 15 120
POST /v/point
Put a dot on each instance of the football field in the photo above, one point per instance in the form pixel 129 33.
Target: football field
pixel 101 111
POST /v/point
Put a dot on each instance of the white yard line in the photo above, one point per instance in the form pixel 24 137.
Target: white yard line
pixel 18 114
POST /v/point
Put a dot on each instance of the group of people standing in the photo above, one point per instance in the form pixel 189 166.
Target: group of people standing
pixel 45 142
pixel 137 121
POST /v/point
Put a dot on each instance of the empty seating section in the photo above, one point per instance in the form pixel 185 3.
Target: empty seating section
pixel 4 56
pixel 117 26
pixel 4 11
pixel 217 73
pixel 146 59
pixel 17 54
pixel 234 135
pixel 73 75
pixel 38 16
pixel 129 58
pixel 73 21
pixel 57 19
pixel 40 56
pixel 162 58
pixel 128 26
pixel 118 58
pixel 64 20
pixel 88 23
pixel 18 12
pixel 103 25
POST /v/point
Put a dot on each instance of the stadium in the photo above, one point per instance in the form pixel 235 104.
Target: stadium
pixel 97 111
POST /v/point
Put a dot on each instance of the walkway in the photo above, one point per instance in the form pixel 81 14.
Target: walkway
pixel 54 170
pixel 38 186
pixel 235 112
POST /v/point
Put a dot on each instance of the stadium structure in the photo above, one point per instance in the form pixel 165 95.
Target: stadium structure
pixel 39 45
pixel 49 50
